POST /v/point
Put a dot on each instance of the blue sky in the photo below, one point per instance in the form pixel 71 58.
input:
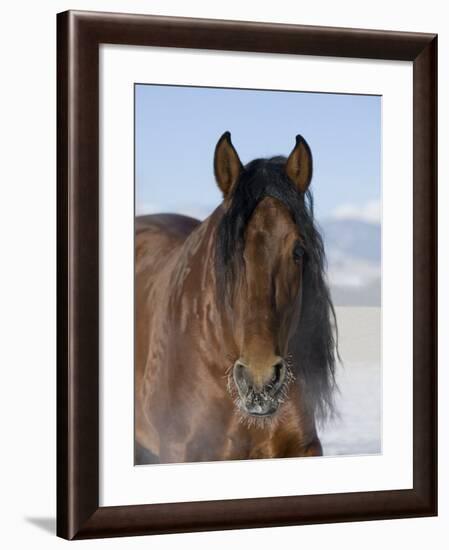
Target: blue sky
pixel 177 129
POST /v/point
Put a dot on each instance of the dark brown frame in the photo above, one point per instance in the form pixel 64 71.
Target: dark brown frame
pixel 79 36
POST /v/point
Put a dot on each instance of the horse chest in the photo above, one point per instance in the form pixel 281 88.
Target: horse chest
pixel 248 442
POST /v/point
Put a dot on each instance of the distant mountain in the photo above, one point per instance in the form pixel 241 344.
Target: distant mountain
pixel 353 237
pixel 353 251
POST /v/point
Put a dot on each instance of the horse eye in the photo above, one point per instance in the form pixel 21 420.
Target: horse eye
pixel 298 252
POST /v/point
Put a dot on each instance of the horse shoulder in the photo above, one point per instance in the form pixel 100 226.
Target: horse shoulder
pixel 156 238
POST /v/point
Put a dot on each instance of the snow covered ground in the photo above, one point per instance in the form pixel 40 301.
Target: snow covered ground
pixel 357 428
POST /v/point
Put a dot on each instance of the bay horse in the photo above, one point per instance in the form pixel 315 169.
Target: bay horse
pixel 235 329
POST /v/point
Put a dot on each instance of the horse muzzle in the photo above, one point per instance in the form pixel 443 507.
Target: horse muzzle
pixel 259 404
pixel 260 399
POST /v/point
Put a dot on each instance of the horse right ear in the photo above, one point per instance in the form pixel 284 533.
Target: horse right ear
pixel 227 165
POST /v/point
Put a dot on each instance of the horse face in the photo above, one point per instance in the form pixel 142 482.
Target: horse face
pixel 266 307
pixel 267 294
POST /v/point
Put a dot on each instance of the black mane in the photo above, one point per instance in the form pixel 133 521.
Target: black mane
pixel 313 345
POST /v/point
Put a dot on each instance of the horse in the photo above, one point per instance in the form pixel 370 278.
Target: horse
pixel 235 331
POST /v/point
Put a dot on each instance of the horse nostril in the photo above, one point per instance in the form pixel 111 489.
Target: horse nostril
pixel 242 377
pixel 279 373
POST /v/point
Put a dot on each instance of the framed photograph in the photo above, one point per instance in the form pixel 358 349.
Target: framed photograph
pixel 246 275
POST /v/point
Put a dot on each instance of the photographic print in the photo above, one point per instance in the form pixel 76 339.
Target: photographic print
pixel 257 274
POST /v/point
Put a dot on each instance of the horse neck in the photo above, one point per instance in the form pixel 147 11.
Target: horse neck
pixel 193 289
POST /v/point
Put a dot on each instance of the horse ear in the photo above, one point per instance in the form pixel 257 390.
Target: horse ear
pixel 299 165
pixel 227 165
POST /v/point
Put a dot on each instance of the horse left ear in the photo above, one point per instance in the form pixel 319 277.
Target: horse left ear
pixel 299 165
pixel 227 165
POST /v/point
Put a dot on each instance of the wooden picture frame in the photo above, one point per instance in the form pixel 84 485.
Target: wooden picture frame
pixel 79 35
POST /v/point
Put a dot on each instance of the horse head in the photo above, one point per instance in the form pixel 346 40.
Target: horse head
pixel 269 261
